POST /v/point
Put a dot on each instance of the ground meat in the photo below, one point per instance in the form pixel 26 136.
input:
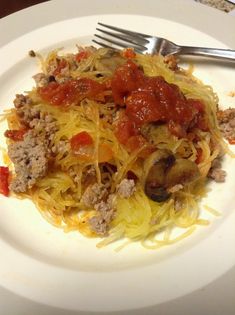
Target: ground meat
pixel 175 188
pixel 178 204
pixel 126 188
pixel 89 176
pixel 41 122
pixel 94 194
pixel 75 175
pixel 100 223
pixel 31 156
pixel 45 124
pixel 22 100
pixel 61 147
pixel 226 119
pixel 30 161
pixel 41 79
pixel 172 62
pixel 216 173
pixel 64 73
pixel 27 113
pixel 32 53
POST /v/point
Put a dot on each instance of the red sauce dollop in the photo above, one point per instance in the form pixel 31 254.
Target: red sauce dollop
pixel 4 180
pixel 152 99
pixel 72 91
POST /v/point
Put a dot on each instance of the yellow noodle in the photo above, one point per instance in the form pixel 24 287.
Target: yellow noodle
pixel 137 218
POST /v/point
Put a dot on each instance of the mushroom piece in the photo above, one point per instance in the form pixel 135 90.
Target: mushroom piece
pixel 182 172
pixel 162 171
pixel 156 132
pixel 109 62
pixel 155 168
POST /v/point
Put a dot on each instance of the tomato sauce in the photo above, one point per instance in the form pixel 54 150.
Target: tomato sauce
pixel 4 180
pixel 15 135
pixel 82 55
pixel 62 63
pixel 72 91
pixel 152 99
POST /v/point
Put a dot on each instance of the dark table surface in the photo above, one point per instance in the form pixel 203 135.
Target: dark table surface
pixel 10 6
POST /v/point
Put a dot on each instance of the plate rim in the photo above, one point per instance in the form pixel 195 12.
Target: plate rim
pixel 169 9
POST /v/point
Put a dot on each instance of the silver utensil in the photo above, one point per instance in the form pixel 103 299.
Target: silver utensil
pixel 115 37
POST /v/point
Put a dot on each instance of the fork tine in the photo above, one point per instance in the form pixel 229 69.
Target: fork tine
pixel 136 41
pixel 101 44
pixel 121 30
pixel 118 43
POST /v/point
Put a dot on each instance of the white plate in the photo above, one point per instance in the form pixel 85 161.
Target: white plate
pixel 67 271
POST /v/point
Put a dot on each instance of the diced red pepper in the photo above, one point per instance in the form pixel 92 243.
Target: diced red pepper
pixel 81 139
pixel 82 146
pixel 105 153
pixel 4 181
pixel 197 104
pixel 15 135
pixel 84 54
pixel 62 63
pixel 231 141
pixel 199 156
pixel 124 129
pixel 129 53
pixel 135 143
pixel 72 91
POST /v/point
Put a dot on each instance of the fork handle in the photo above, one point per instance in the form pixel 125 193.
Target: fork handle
pixel 208 52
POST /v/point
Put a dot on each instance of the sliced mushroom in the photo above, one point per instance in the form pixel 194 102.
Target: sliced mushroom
pixel 162 172
pixel 156 133
pixel 109 62
pixel 155 168
pixel 182 172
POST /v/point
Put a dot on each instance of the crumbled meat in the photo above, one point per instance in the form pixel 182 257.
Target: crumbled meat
pixel 62 79
pixel 178 204
pixel 71 59
pixel 171 61
pixel 40 121
pixel 75 175
pixel 30 156
pixel 226 119
pixel 45 124
pixel 94 194
pixel 27 113
pixel 175 188
pixel 30 161
pixel 100 223
pixel 89 176
pixel 22 100
pixel 52 67
pixel 61 147
pixel 216 173
pixel 32 53
pixel 126 188
pixel 64 73
pixel 41 79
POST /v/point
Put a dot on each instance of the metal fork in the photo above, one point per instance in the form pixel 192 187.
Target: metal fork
pixel 143 43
